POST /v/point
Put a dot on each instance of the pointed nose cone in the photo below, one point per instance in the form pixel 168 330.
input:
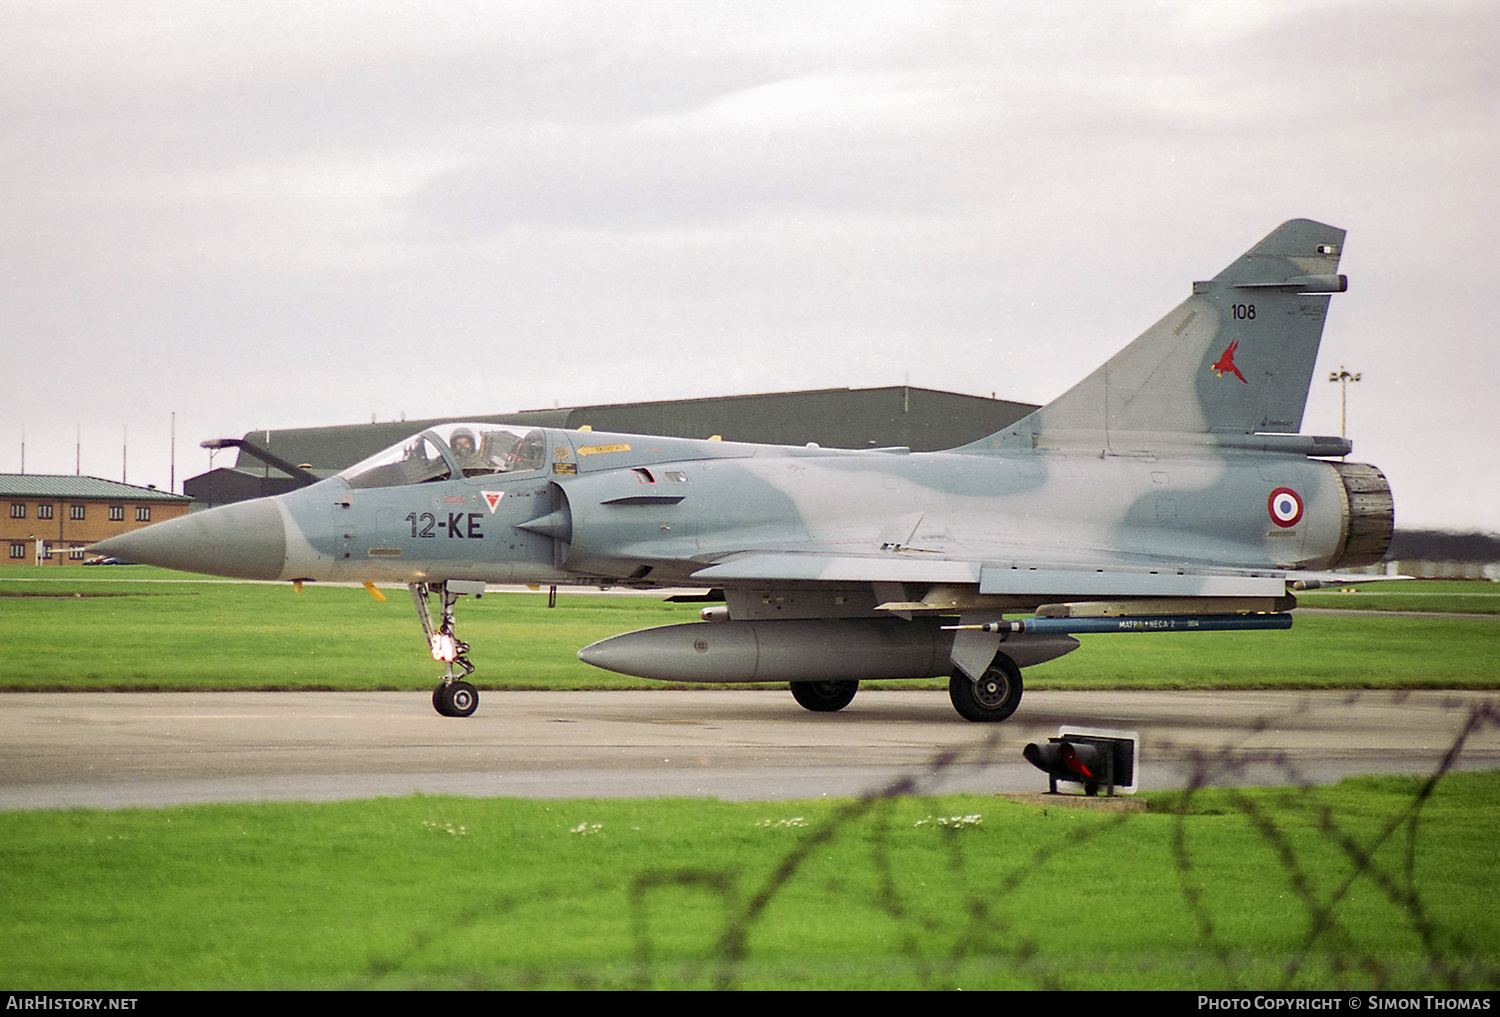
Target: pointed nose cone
pixel 246 540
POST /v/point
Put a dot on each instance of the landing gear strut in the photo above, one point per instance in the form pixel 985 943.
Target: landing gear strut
pixel 454 697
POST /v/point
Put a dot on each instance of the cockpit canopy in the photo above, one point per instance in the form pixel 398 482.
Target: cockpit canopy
pixel 452 450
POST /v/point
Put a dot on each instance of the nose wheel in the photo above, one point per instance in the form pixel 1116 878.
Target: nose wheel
pixel 454 697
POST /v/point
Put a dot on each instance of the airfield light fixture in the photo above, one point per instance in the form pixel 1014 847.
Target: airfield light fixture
pixel 1092 758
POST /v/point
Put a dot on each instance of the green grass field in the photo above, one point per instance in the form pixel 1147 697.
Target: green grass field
pixel 183 636
pixel 1366 884
pixel 134 628
pixel 1428 595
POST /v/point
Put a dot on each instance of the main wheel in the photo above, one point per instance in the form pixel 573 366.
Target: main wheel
pixel 993 697
pixel 824 697
pixel 455 699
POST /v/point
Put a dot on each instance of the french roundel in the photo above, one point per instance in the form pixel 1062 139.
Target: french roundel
pixel 1285 506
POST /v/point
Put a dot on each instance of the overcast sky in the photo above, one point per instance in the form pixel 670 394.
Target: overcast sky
pixel 259 214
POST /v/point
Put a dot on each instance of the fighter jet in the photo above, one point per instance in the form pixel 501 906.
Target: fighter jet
pixel 1167 491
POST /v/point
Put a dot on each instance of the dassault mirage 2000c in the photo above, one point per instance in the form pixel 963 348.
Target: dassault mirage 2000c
pixel 1169 490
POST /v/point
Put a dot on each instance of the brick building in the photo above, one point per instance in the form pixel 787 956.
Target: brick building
pixel 49 520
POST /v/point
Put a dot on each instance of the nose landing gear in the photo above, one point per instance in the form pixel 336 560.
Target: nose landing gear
pixel 454 697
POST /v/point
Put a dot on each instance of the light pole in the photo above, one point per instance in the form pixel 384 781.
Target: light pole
pixel 1343 378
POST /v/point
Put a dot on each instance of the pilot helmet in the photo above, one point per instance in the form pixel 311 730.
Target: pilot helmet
pixel 462 441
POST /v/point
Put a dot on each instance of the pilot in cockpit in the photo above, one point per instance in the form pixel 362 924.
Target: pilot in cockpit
pixel 466 451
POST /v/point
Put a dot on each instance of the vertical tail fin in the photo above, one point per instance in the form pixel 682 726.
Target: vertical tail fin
pixel 1236 357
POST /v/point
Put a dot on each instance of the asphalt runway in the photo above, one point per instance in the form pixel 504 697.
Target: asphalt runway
pixel 111 750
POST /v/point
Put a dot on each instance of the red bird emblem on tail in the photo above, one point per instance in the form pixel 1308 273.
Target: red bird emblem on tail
pixel 1226 363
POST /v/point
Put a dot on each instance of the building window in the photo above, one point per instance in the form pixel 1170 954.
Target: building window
pixel 143 513
pixel 18 510
pixel 18 550
pixel 44 511
pixel 76 554
pixel 117 513
pixel 75 511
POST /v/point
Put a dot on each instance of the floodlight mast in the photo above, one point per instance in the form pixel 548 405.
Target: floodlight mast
pixel 1343 378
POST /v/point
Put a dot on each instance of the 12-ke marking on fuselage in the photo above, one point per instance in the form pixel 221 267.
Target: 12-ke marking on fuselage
pixel 455 525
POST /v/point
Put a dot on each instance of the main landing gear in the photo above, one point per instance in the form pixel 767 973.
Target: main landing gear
pixel 993 697
pixel 454 697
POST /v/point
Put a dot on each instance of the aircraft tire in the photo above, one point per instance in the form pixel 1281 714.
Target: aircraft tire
pixel 458 699
pixel 993 698
pixel 824 697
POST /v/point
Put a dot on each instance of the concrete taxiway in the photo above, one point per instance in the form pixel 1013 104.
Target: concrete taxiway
pixel 111 750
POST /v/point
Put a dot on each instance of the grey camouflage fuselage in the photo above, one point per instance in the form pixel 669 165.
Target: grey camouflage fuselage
pixel 1169 483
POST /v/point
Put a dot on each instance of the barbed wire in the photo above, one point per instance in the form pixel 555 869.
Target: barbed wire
pixel 985 932
pixel 1450 960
